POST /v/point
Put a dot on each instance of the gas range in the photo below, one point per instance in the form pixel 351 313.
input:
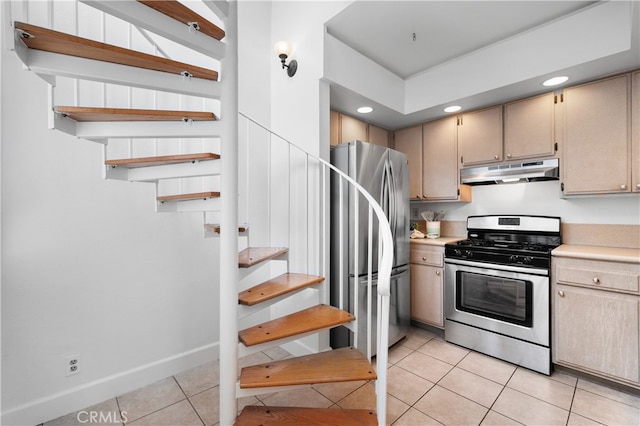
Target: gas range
pixel 525 241
pixel 497 288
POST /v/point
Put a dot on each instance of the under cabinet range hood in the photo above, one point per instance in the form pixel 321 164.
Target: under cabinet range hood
pixel 527 171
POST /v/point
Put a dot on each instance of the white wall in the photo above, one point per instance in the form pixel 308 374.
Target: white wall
pixel 541 198
pixel 89 269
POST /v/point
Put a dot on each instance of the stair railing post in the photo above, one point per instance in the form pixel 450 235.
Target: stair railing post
pixel 229 275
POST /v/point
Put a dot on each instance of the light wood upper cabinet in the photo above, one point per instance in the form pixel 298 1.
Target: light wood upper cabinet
pixel 597 140
pixel 635 134
pixel 334 128
pixel 409 141
pixel 480 136
pixel 440 160
pixel 529 128
pixel 346 129
pixel 378 136
pixel 352 129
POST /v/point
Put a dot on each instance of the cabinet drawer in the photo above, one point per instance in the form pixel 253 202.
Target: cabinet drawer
pixel 597 274
pixel 426 255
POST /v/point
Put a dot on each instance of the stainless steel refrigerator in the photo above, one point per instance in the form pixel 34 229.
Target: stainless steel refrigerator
pixel 384 173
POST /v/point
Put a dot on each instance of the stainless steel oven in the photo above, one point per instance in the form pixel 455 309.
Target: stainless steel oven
pixel 497 289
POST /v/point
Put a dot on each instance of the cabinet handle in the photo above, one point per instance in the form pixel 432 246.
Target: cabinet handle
pixel 596 280
pixel 508 156
pixel 623 187
pixel 495 157
pixel 560 293
pixel 424 258
pixel 638 185
pixel 438 273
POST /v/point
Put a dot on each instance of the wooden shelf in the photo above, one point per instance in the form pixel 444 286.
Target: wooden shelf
pixel 89 114
pixel 48 40
pixel 278 286
pixel 339 365
pixel 253 255
pixel 312 319
pixel 277 416
pixel 185 15
pixel 130 163
pixel 187 197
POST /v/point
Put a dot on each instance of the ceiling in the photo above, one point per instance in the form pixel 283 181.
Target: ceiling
pixel 409 38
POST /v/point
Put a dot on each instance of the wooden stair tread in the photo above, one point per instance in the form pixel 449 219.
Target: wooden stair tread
pixel 40 38
pixel 339 365
pixel 87 114
pixel 307 320
pixel 186 197
pixel 275 416
pixel 283 284
pixel 129 163
pixel 253 255
pixel 185 15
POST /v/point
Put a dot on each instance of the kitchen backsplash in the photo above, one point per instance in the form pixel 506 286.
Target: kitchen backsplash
pixel 623 236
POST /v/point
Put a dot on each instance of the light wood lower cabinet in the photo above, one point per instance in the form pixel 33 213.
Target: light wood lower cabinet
pixel 427 284
pixel 596 318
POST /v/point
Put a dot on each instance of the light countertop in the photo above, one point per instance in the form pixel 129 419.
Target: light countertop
pixel 613 254
pixel 436 241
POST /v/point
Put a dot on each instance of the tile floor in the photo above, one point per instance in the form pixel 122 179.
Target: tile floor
pixel 431 382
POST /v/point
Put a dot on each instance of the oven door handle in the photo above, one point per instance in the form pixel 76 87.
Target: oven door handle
pixel 509 268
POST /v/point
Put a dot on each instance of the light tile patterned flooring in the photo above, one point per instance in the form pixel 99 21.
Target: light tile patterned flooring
pixel 431 382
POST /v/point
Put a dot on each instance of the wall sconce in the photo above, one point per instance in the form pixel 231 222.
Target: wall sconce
pixel 283 50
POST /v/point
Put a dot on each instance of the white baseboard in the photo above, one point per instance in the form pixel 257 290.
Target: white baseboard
pixel 83 396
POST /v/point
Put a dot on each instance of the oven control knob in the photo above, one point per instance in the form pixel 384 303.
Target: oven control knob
pixel 527 260
pixel 468 253
pixel 513 258
pixel 457 252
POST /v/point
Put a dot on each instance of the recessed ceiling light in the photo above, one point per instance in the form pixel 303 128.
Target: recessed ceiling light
pixel 555 81
pixel 453 108
pixel 364 110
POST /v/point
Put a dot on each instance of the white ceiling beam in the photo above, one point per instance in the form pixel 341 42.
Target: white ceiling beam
pixel 587 35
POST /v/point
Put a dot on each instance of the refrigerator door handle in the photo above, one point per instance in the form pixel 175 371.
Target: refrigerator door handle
pixel 393 210
pixel 384 190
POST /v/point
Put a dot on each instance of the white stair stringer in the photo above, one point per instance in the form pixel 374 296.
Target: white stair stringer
pixel 100 131
pixel 145 17
pixel 200 205
pixel 169 171
pixel 48 64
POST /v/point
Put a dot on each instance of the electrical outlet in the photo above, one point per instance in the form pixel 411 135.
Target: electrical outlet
pixel 72 365
pixel 414 212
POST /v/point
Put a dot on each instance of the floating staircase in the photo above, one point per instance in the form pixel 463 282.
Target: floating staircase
pixel 52 54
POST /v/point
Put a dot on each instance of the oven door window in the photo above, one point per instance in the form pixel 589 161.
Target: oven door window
pixel 504 299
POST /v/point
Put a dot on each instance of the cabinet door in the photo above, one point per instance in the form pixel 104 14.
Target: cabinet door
pixel 598 331
pixel 480 136
pixel 635 120
pixel 334 128
pixel 352 129
pixel 378 136
pixel 597 148
pixel 426 294
pixel 440 160
pixel 409 141
pixel 529 128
